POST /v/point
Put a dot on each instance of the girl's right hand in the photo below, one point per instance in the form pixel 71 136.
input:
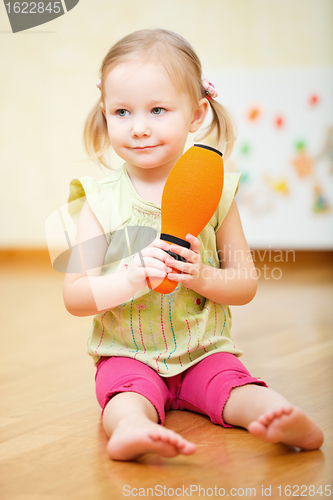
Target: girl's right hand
pixel 149 263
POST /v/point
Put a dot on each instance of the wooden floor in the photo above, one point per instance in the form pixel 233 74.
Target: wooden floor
pixel 52 441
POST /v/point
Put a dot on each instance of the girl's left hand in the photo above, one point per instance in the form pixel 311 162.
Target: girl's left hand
pixel 191 270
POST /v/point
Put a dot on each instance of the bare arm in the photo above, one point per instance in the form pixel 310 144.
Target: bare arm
pixel 88 293
pixel 236 282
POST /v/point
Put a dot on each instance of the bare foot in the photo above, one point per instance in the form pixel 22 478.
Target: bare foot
pixel 287 424
pixel 136 436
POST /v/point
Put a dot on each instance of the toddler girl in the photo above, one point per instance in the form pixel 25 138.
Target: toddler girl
pixel 156 352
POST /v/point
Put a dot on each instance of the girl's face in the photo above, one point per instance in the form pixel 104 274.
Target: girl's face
pixel 148 119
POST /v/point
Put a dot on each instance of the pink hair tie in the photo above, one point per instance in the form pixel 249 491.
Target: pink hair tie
pixel 209 88
pixel 98 84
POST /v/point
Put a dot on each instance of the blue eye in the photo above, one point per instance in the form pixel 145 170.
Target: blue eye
pixel 121 112
pixel 158 111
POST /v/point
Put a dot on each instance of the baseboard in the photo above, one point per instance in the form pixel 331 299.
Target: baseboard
pixel 25 256
pixel 262 257
pixel 292 258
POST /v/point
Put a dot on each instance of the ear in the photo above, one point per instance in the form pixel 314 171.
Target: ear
pixel 199 115
pixel 103 109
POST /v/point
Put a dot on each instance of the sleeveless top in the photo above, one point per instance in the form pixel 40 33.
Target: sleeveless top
pixel 170 332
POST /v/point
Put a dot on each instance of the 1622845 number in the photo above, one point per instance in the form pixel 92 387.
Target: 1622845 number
pixel 33 7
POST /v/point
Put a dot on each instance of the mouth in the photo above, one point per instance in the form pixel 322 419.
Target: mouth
pixel 144 148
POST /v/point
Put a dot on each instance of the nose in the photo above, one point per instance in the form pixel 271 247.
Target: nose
pixel 140 127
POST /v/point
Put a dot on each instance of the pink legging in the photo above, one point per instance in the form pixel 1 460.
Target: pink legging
pixel 202 388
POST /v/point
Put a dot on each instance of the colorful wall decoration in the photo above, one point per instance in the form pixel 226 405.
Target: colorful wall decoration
pixel 285 152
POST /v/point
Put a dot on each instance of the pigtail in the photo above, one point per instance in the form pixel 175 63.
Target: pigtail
pixel 224 128
pixel 95 135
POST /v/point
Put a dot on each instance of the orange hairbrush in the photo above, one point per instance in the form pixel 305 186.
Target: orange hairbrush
pixel 190 198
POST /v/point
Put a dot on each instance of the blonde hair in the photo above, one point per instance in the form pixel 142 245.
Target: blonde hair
pixel 184 68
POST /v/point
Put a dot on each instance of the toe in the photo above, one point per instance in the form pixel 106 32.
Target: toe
pixel 257 429
pixel 277 412
pixel 171 437
pixel 155 435
pixel 287 409
pixel 263 419
pixel 187 448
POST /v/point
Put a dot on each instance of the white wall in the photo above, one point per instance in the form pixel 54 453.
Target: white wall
pixel 48 77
